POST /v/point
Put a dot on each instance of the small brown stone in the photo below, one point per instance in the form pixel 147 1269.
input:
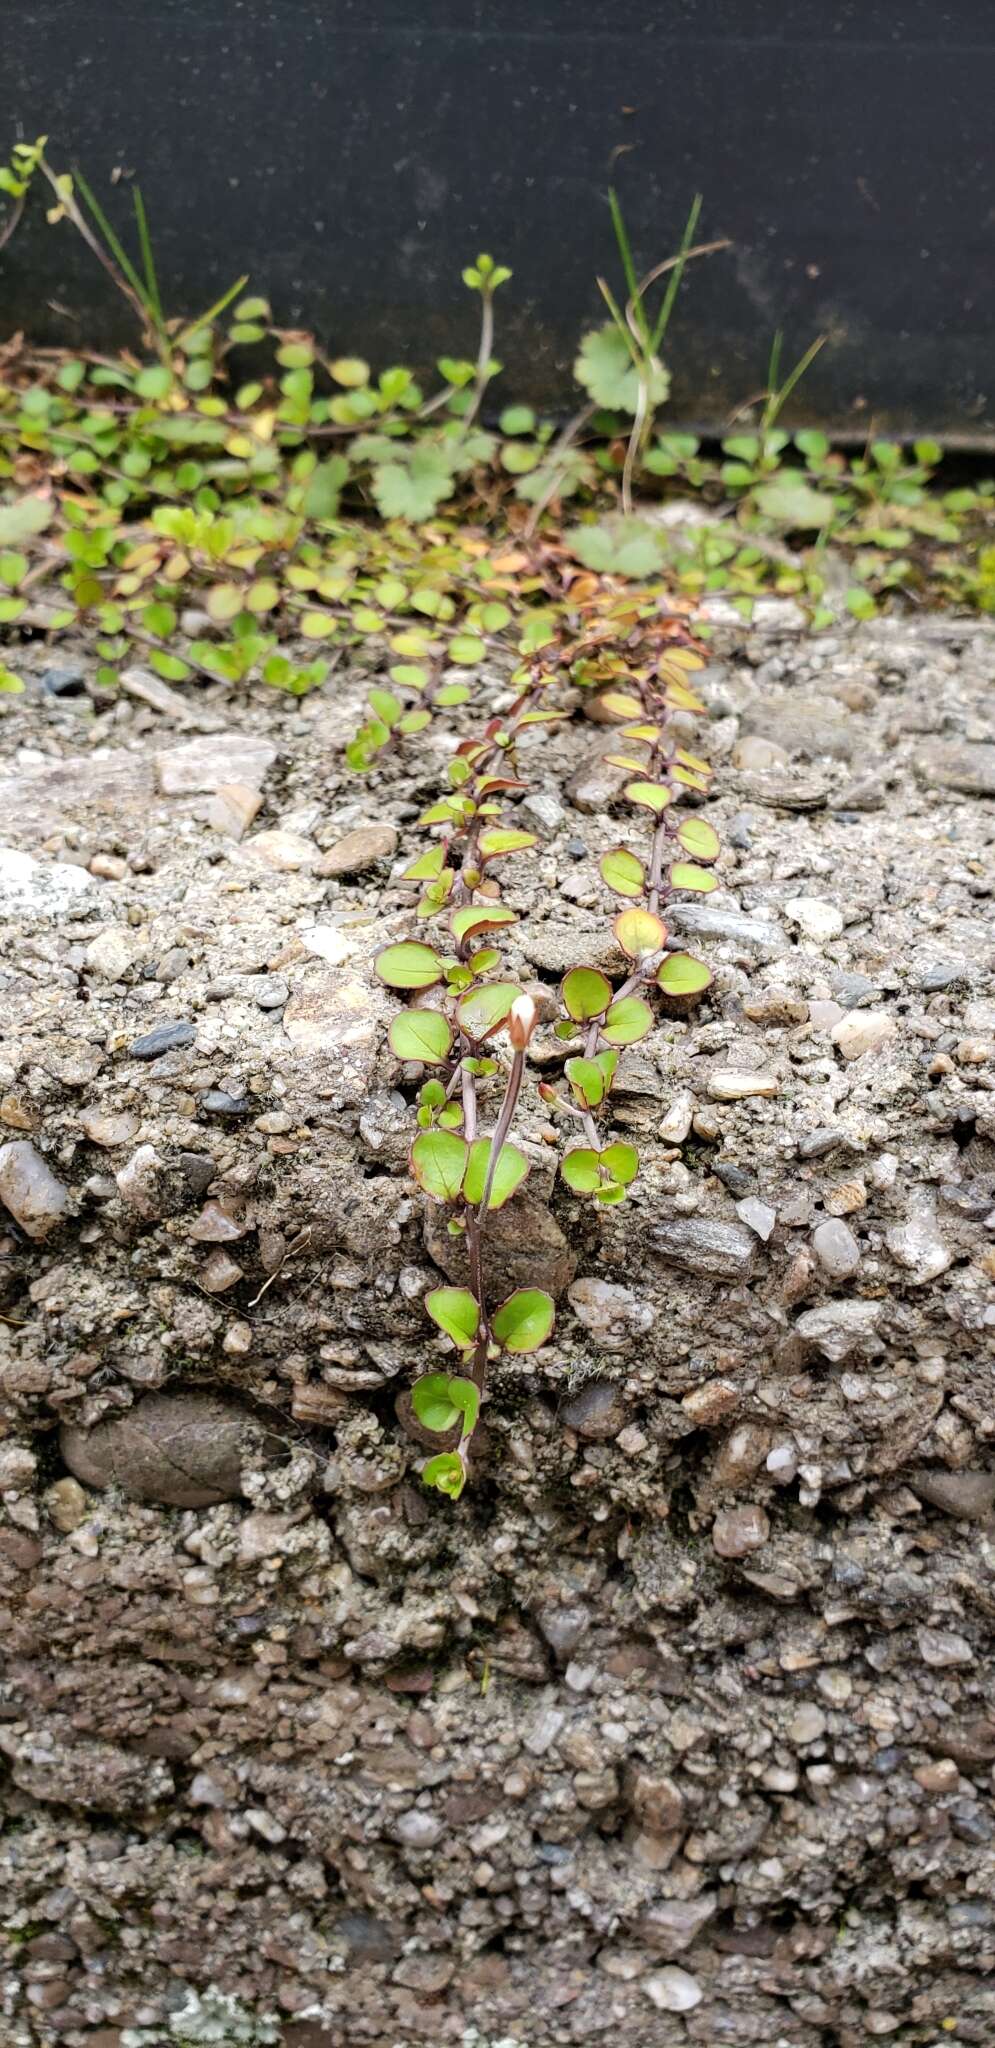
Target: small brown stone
pixel 109 1128
pixel 232 809
pixel 220 1273
pixel 737 1531
pixel 182 1450
pixel 358 850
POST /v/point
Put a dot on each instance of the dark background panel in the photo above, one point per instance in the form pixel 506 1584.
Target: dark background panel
pixel 353 156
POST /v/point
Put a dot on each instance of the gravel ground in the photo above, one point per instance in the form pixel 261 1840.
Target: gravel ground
pixel 678 1727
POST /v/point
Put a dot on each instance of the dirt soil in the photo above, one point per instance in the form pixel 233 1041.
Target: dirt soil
pixel 678 1727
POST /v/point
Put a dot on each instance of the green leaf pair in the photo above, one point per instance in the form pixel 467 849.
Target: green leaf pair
pixel 446 1167
pixel 605 1175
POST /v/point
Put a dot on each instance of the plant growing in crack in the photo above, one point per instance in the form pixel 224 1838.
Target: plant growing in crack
pixel 451 1160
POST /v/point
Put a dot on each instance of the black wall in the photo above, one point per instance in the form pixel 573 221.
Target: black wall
pixel 353 154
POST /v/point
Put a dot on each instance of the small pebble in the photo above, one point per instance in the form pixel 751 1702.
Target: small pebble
pixel 729 1084
pixel 359 850
pixel 218 1102
pixel 836 1249
pixel 737 1531
pixel 758 1217
pixel 168 1037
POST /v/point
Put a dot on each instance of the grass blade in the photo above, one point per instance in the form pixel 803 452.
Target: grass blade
pixel 213 312
pixel 148 261
pixel 780 398
pixel 628 266
pixel 119 253
pixel 674 282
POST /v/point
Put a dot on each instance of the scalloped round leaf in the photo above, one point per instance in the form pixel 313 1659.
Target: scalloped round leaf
pixel 524 1321
pixel 482 1010
pixel 505 840
pixel 628 1021
pixel 699 838
pixel 446 1473
pixel 621 1161
pixel 586 993
pixel 639 932
pixel 456 1312
pixel 581 1171
pixel 432 1402
pixel 438 1162
pixel 623 872
pixel 680 975
pixel 421 1035
pixel 684 875
pixel 480 917
pixel 587 1081
pixel 654 796
pixel 509 1174
pixel 409 965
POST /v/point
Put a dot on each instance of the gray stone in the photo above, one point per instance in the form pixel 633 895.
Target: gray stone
pixel 542 808
pixel 596 1412
pixel 916 1243
pixel 842 1329
pixel 45 890
pixel 758 1216
pixel 596 783
pixel 942 1648
pixel 956 764
pixel 672 1991
pixel 671 1925
pixel 358 850
pixel 707 921
pixel 725 1251
pixel 182 1450
pixel 204 765
pixel 944 974
pixel 272 993
pixel 613 1315
pixel 818 1143
pixel 29 1189
pixel 802 726
pixel 66 681
pixel 171 1036
pixel 114 951
pixel 218 1102
pixel 967 1496
pixel 836 1248
pixel 854 990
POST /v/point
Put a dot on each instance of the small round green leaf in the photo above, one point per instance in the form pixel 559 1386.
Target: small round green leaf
pixel 587 1081
pixel 684 875
pixel 456 1312
pixel 655 796
pixel 639 932
pixel 524 1321
pixel 628 1021
pixel 699 838
pixel 409 965
pixel 512 1167
pixel 622 872
pixel 446 1473
pixel 438 1162
pixel 421 1035
pixel 432 1402
pixel 581 1171
pixel 621 1161
pixel 681 975
pixel 480 917
pixel 501 840
pixel 482 1010
pixel 586 993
